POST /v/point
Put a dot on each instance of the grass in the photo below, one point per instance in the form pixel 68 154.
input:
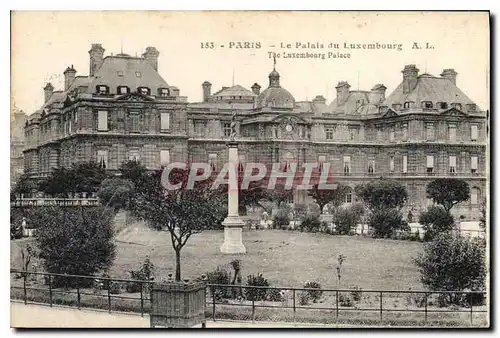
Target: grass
pixel 285 258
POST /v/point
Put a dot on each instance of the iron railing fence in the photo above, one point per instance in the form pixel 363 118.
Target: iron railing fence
pixel 245 302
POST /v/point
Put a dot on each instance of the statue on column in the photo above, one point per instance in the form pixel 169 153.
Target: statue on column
pixel 233 126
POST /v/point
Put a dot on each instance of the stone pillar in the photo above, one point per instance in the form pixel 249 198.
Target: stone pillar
pixel 233 224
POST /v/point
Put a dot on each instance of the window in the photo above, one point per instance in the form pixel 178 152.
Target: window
pixel 330 130
pixel 430 131
pixel 134 155
pixel 138 74
pixel 212 161
pixel 102 90
pixel 164 157
pixel 241 162
pixel 143 90
pixel 134 122
pixel 392 134
pixel 380 134
pixel 408 104
pixel 102 159
pixel 452 132
pixel 427 104
pixel 348 195
pixel 405 131
pixel 359 103
pixel 442 105
pixel 457 106
pixel 453 164
pixel 471 107
pixel 391 164
pixel 474 195
pixel 165 121
pixel 353 133
pixel 371 167
pixel 396 106
pixel 164 92
pixel 75 117
pixel 102 120
pixel 119 73
pixel 347 165
pixel 122 90
pixel 321 162
pixel 226 127
pixel 70 129
pixel 473 164
pixel 199 127
pixel 473 132
pixel 430 163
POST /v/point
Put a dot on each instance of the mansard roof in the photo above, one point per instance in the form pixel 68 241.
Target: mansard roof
pixel 351 105
pixel 429 88
pixel 234 91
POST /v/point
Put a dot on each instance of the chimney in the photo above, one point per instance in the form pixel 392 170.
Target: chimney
pixel 450 74
pixel 96 57
pixel 151 56
pixel 377 94
pixel 207 87
pixel 69 77
pixel 256 88
pixel 48 90
pixel 342 92
pixel 410 74
pixel 319 99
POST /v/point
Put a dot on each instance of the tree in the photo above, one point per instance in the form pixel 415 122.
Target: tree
pixel 448 192
pixel 279 195
pixel 382 194
pixel 88 176
pixel 182 212
pixel 59 183
pixel 386 221
pixel 24 185
pixel 75 241
pixel 322 197
pixel 453 262
pixel 435 220
pixel 345 219
pixel 116 193
pixel 133 171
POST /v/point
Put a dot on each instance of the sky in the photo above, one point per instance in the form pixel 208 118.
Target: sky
pixel 45 43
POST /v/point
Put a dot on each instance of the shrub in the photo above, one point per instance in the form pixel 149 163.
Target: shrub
pixel 74 241
pixel 453 262
pixel 281 219
pixel 356 293
pixel 435 220
pixel 115 288
pixel 274 295
pixel 315 294
pixel 345 299
pixel 310 223
pixel 385 221
pixel 345 220
pixel 145 273
pixel 219 276
pixel 304 298
pixel 256 294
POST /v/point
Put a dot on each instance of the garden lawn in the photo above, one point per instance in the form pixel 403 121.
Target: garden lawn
pixel 285 258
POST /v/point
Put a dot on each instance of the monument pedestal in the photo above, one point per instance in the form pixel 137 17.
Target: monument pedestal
pixel 233 239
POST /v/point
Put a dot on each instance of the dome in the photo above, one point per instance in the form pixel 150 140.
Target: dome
pixel 275 97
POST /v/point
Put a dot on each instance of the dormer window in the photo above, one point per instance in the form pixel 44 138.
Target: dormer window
pixel 164 92
pixel 457 106
pixel 408 104
pixel 471 107
pixel 396 106
pixel 442 105
pixel 143 90
pixel 119 73
pixel 427 104
pixel 123 90
pixel 102 89
pixel 137 74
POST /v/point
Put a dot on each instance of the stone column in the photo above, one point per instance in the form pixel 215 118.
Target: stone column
pixel 233 224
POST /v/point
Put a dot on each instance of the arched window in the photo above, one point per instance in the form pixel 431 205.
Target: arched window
pixel 475 196
pixel 348 195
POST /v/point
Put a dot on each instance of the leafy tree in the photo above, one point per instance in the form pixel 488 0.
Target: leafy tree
pixel 75 241
pixel 182 212
pixel 59 183
pixel 382 194
pixel 435 220
pixel 334 197
pixel 386 221
pixel 24 185
pixel 453 262
pixel 116 193
pixel 88 176
pixel 279 195
pixel 448 192
pixel 346 219
pixel 133 171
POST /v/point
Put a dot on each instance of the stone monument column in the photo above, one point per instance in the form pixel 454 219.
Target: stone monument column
pixel 233 224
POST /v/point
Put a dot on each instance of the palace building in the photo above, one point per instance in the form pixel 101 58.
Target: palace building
pixel 425 129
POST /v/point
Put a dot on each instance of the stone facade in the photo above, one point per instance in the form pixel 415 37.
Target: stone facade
pixel 373 136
